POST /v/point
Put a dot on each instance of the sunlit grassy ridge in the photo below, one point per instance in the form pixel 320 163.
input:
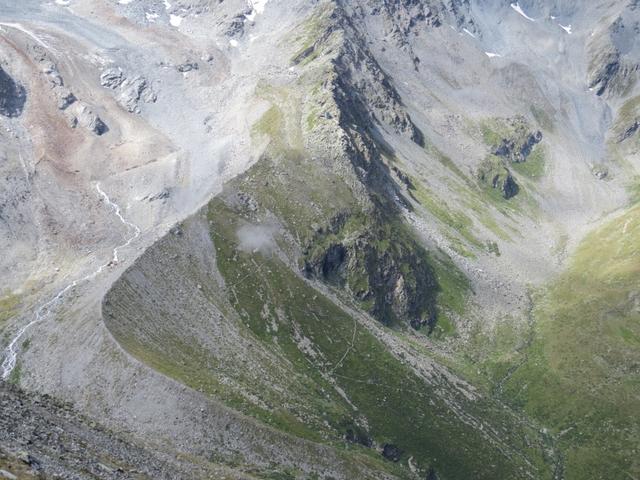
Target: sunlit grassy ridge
pixel 582 373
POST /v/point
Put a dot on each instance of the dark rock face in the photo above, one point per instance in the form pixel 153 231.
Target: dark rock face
pixel 606 75
pixel 13 96
pixel 509 186
pixel 630 131
pixel 494 174
pixel 517 149
pixel 333 260
pixel 615 61
pixel 391 452
pixel 386 271
pixel 367 86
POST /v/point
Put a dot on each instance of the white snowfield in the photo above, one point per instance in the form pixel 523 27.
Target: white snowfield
pixel 565 28
pixel 175 20
pixel 258 5
pixel 517 8
pixel 492 54
pixel 45 310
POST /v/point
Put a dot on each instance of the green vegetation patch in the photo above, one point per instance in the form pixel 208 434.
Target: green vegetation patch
pixel 582 372
pixel 400 408
pixel 534 167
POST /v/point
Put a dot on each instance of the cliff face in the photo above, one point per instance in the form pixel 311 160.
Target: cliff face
pixel 615 62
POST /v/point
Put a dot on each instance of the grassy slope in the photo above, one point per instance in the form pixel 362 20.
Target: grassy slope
pixel 582 372
pixel 399 407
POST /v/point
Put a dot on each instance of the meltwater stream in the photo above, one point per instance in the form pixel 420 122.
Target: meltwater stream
pixel 45 310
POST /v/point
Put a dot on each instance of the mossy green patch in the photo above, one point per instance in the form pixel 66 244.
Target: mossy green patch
pixel 534 166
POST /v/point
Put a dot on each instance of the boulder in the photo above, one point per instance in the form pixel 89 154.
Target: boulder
pixel 112 78
pixel 391 452
pixel 133 91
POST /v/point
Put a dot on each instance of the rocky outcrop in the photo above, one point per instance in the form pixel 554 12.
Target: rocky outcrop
pixel 131 91
pixel 65 98
pixel 112 78
pixel 615 57
pixel 516 140
pixel 369 90
pixel 371 252
pixel 187 66
pixel 517 150
pixel 493 174
pixel 13 96
pixel 381 265
pixel 391 452
pixel 630 130
pixel 83 115
pixel 77 112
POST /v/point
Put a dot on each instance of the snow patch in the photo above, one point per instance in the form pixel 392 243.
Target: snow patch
pixel 492 55
pixel 516 7
pixel 64 3
pixel 175 20
pixel 167 5
pixel 257 8
pixel 151 17
pixel 125 2
pixel 468 33
pixel 565 28
pixel 257 5
pixel 233 43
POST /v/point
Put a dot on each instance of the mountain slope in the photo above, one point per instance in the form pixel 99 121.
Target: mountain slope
pixel 329 239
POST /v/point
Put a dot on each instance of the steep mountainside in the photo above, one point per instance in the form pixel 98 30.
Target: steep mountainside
pixel 330 239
